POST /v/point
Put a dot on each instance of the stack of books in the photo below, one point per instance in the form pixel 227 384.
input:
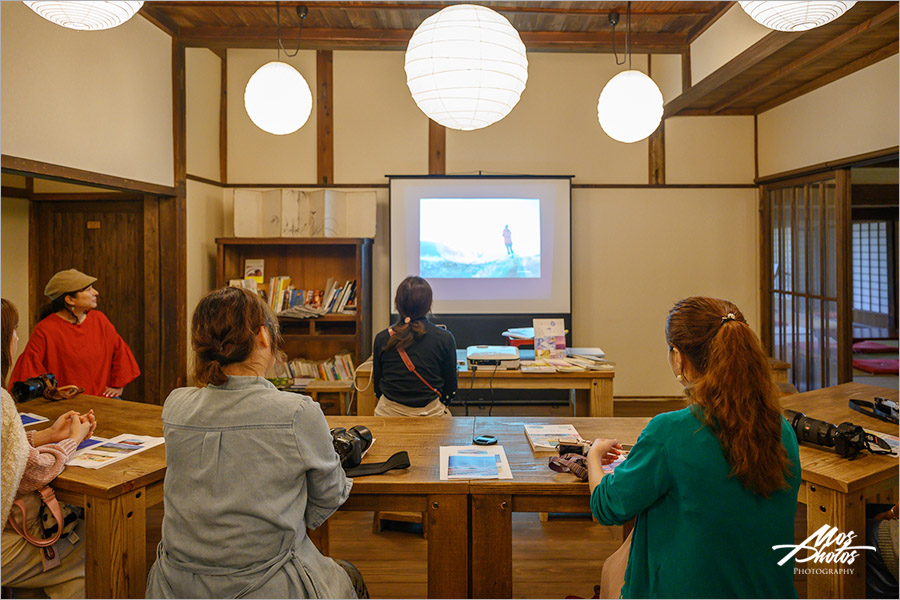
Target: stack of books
pixel 303 304
pixel 338 368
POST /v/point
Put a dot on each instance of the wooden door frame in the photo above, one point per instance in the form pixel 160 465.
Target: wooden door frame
pixel 839 170
pixel 165 331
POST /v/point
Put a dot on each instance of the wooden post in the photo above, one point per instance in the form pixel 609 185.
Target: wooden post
pixel 116 557
pixel 223 117
pixel 324 117
pixel 657 151
pixel 844 244
pixel 437 147
pixel 173 349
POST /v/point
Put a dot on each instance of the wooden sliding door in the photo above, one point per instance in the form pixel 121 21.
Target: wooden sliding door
pixel 806 230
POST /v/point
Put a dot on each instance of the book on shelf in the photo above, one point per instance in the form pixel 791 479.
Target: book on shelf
pixel 340 367
pixel 546 437
pixel 255 269
pixel 300 304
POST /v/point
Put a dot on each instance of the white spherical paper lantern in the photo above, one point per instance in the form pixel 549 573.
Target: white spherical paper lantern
pixel 795 16
pixel 630 107
pixel 466 67
pixel 86 16
pixel 277 98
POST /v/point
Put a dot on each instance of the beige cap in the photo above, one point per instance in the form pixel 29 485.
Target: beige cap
pixel 70 280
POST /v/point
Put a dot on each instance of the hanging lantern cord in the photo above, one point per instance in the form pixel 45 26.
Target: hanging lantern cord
pixel 301 13
pixel 613 21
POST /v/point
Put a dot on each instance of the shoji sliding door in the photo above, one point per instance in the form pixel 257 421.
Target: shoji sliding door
pixel 805 226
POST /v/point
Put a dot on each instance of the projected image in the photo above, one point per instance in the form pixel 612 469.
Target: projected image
pixel 463 238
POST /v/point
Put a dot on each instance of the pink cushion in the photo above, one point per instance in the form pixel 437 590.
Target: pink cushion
pixel 869 347
pixel 877 366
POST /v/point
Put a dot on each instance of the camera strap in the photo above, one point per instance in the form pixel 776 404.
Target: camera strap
pixel 412 368
pixel 879 410
pixel 400 460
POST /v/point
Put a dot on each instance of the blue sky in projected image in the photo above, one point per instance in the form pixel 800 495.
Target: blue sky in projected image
pixel 473 227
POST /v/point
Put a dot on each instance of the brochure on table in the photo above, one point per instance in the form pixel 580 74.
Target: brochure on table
pixel 892 440
pixel 546 437
pixel 474 462
pixel 31 419
pixel 97 452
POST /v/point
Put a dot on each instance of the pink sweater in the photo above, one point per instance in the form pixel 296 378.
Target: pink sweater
pixel 44 463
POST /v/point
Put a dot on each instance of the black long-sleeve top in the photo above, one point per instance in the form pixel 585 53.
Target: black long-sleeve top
pixel 433 355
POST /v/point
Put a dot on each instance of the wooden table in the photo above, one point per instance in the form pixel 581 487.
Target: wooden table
pixel 115 498
pixel 534 488
pixel 834 489
pixel 597 385
pixel 418 489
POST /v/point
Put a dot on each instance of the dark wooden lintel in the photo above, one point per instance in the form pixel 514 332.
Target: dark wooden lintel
pixel 9 191
pixel 26 166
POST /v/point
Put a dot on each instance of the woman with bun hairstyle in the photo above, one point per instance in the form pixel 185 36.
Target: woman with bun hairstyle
pixel 712 487
pixel 76 342
pixel 249 469
pixel 430 350
pixel 31 460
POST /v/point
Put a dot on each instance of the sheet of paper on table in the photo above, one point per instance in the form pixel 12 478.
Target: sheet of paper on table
pixel 104 452
pixel 31 418
pixel 474 462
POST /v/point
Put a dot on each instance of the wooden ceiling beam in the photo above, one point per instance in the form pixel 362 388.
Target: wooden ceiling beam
pixel 731 70
pixel 852 67
pixel 159 18
pixel 398 39
pixel 890 14
pixel 524 7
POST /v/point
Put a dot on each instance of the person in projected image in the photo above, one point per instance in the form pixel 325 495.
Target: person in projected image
pixel 414 362
pixel 507 239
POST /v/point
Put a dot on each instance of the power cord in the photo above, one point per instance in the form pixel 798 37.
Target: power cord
pixel 471 387
pixel 354 389
pixel 491 385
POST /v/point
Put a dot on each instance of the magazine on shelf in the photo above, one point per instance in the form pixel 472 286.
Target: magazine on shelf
pixel 546 436
pixel 96 452
pixel 474 462
pixel 255 268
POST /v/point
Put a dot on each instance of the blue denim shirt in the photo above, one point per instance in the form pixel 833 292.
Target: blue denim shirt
pixel 249 468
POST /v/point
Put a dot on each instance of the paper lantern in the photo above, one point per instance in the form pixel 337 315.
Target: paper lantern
pixel 795 16
pixel 630 107
pixel 466 67
pixel 86 16
pixel 277 98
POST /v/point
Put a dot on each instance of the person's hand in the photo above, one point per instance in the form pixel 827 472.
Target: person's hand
pixel 888 514
pixel 111 392
pixel 607 451
pixel 81 430
pixel 89 418
pixel 56 432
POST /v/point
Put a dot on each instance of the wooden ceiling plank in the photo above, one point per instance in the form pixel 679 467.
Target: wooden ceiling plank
pixel 759 51
pixel 856 65
pixel 842 40
pixel 160 19
pixel 706 23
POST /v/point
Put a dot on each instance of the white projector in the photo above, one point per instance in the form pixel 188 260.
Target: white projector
pixel 492 357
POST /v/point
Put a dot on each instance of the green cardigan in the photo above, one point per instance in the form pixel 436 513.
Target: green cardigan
pixel 698 532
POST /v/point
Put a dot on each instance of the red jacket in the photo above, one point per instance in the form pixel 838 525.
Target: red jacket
pixel 91 355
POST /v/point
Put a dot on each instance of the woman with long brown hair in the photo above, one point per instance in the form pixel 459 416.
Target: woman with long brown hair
pixel 249 469
pixel 713 487
pixel 414 361
pixel 31 460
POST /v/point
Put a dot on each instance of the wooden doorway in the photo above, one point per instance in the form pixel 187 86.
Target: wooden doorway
pixel 113 237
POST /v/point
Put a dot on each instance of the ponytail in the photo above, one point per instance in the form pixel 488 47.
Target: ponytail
pixel 735 389
pixel 413 302
pixel 405 334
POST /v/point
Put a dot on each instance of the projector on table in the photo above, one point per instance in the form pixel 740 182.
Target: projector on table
pixel 499 357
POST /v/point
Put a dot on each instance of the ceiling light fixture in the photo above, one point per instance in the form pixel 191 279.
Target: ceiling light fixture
pixel 795 16
pixel 466 67
pixel 277 98
pixel 86 16
pixel 630 106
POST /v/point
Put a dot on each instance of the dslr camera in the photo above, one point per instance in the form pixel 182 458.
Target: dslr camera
pixel 847 439
pixel 350 444
pixel 34 387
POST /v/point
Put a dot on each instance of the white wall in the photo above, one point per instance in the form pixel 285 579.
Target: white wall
pixel 553 130
pixel 637 251
pixel 100 102
pixel 378 129
pixel 853 115
pixel 255 156
pixel 203 80
pixel 665 70
pixel 709 150
pixel 733 33
pixel 14 267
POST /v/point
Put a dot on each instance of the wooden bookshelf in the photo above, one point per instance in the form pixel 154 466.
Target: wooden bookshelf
pixel 309 262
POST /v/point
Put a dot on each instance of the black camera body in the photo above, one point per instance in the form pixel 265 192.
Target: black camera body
pixel 350 444
pixel 33 387
pixel 847 439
